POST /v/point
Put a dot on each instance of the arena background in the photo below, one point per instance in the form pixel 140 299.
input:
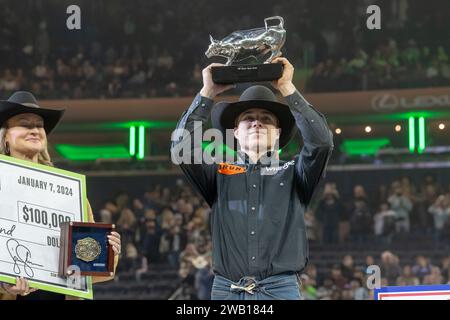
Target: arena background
pixel 134 67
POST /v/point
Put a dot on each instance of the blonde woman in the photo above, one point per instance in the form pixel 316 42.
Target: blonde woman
pixel 24 127
pixel 167 218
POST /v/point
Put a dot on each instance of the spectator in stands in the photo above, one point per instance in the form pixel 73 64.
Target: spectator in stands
pixel 336 294
pixel 369 261
pixel 178 220
pixel 435 277
pixel 122 201
pixel 105 216
pixel 358 212
pixel 359 291
pixel 361 222
pixel 112 208
pixel 151 242
pixel 187 210
pixel 347 266
pixel 194 272
pixel 126 225
pixel 411 54
pixel 196 231
pixel 407 277
pixel 402 207
pixel 171 245
pixel 151 200
pixel 359 273
pixel 138 208
pixel 441 214
pixel 325 291
pixel 328 213
pixel 167 218
pixel 445 267
pixel 382 194
pixel 344 226
pixel 141 228
pixel 187 275
pixel 429 191
pixel 384 224
pixel 408 189
pixel 204 277
pixel 390 268
pixel 132 260
pixel 9 83
pixel 189 253
pixel 338 278
pixel 422 267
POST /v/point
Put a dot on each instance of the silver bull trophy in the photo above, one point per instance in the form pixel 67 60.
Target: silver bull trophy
pixel 261 44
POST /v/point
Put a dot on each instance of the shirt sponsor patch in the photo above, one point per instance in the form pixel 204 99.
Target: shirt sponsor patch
pixel 273 170
pixel 230 169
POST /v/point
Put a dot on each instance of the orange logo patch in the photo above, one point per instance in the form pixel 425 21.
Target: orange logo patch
pixel 229 169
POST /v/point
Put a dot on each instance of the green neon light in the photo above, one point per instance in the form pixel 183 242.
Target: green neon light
pixel 208 146
pixel 80 153
pixel 145 124
pixel 141 142
pixel 412 134
pixel 421 134
pixel 357 147
pixel 132 138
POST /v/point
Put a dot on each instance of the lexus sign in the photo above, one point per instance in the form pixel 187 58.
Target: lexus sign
pixel 390 102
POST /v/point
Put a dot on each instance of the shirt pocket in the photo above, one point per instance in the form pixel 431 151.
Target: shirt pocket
pixel 272 213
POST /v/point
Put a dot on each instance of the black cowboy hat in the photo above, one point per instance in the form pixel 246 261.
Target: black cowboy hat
pixel 224 113
pixel 24 102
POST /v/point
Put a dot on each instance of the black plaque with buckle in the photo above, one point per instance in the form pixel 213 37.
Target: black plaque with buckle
pixel 85 246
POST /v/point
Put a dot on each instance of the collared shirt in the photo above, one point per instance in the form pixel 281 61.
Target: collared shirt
pixel 257 222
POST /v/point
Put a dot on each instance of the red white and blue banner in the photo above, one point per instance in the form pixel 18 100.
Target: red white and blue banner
pixel 431 292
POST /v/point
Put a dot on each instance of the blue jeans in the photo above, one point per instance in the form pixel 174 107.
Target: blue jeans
pixel 278 287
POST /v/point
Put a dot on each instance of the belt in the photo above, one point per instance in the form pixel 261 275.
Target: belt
pixel 248 287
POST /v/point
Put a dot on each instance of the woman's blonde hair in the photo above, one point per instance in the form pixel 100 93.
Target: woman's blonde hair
pixel 126 217
pixel 166 218
pixel 43 158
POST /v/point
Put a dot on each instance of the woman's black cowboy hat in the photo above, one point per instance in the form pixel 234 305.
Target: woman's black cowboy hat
pixel 224 114
pixel 24 102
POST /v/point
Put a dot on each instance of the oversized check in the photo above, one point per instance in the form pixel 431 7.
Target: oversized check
pixel 34 201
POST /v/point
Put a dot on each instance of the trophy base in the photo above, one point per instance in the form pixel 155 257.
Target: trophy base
pixel 247 73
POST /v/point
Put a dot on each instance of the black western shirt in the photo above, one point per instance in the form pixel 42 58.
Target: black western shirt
pixel 257 222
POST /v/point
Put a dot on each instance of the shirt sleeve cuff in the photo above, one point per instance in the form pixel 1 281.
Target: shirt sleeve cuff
pixel 296 100
pixel 200 106
pixel 201 101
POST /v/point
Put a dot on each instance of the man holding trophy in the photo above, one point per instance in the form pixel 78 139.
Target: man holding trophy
pixel 257 223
